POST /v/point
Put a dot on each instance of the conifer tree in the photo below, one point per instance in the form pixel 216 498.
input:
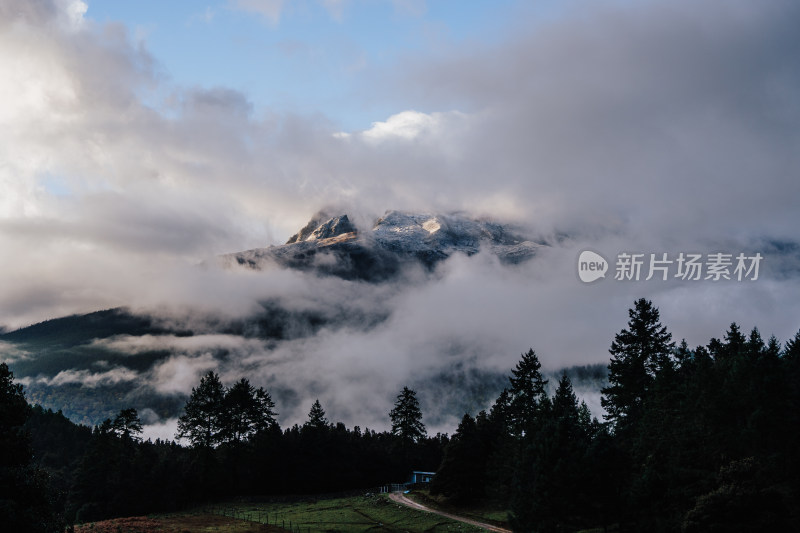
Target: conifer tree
pixel 406 417
pixel 638 353
pixel 203 421
pixel 502 450
pixel 565 403
pixel 461 475
pixel 127 424
pixel 792 350
pixel 549 484
pixel 316 417
pixel 25 497
pixel 247 411
pixel 527 395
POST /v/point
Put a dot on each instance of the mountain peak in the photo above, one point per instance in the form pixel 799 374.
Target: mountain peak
pixel 323 226
pixel 331 244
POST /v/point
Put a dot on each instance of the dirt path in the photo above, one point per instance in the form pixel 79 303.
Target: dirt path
pixel 402 499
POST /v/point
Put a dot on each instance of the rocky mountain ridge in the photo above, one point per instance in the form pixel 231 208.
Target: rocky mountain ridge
pixel 333 245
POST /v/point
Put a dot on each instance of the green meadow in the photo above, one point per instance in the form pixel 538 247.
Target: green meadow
pixel 356 514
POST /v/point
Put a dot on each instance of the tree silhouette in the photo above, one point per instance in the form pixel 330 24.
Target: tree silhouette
pixel 316 417
pixel 462 473
pixel 247 411
pixel 127 424
pixel 637 355
pixel 549 484
pixel 527 394
pixel 202 422
pixel 407 417
pixel 25 499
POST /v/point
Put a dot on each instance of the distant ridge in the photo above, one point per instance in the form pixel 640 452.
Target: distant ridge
pixel 331 244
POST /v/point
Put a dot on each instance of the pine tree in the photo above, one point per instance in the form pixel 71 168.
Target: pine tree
pixel 637 355
pixel 792 350
pixel 203 419
pixel 683 355
pixel 407 417
pixel 461 475
pixel 127 424
pixel 565 403
pixel 316 417
pixel 773 350
pixel 755 346
pixel 25 498
pixel 247 411
pixel 266 417
pixel 502 450
pixel 735 344
pixel 549 490
pixel 527 394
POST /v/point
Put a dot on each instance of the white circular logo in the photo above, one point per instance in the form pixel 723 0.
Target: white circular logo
pixel 591 266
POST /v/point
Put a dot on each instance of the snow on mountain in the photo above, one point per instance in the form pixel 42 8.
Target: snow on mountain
pixel 320 228
pixel 333 245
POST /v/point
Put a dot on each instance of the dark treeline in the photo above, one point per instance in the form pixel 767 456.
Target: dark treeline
pixel 237 448
pixel 694 440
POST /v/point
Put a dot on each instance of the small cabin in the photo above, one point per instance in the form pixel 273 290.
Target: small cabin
pixel 421 477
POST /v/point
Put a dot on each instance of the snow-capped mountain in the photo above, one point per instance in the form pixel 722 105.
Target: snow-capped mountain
pixel 334 245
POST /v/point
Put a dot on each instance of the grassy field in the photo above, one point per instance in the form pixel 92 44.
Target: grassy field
pixel 356 514
pixel 196 522
pixel 482 513
pixel 374 513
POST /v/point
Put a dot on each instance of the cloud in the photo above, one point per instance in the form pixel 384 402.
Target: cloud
pixel 474 315
pixel 180 373
pixel 73 12
pixel 408 125
pixel 655 126
pixel 134 345
pixel 164 430
pixel 90 379
pixel 639 113
pixel 11 353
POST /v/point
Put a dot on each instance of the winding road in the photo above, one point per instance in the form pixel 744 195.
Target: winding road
pixel 402 499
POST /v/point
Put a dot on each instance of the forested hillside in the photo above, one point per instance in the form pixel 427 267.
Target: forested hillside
pixel 694 439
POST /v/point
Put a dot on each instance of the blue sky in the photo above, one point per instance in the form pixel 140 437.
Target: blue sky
pixel 311 58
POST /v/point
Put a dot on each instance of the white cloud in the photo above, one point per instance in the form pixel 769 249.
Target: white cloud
pixel 654 126
pixel 165 430
pixel 407 125
pixel 134 345
pixel 91 379
pixel 179 373
pixel 73 11
pixel 10 353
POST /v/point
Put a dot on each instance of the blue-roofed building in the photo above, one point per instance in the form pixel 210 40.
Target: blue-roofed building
pixel 421 477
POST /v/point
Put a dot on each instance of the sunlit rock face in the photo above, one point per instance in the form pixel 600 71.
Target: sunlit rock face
pixel 332 245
